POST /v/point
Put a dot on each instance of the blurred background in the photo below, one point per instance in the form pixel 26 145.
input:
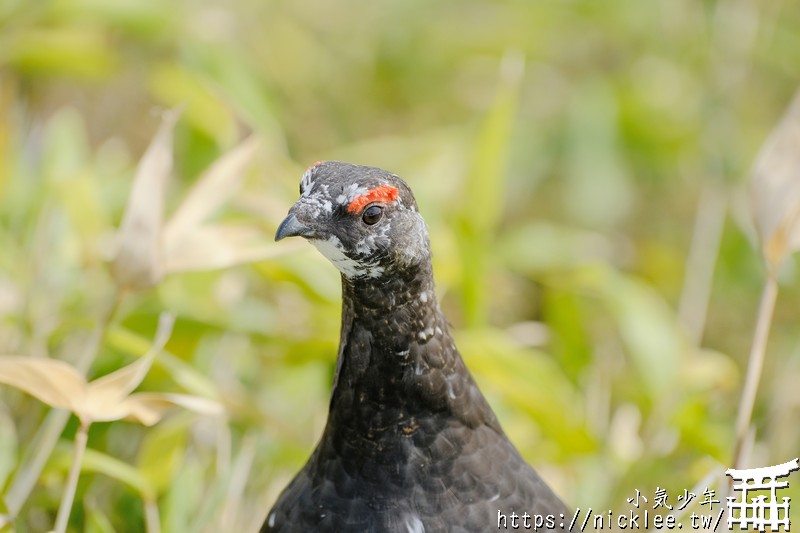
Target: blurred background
pixel 582 167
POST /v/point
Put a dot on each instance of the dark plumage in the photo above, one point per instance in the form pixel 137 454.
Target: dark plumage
pixel 410 445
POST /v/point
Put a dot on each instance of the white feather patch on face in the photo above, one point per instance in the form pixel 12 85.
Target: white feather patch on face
pixel 333 249
pixel 366 245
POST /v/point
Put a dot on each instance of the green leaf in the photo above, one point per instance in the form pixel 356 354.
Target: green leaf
pixel 80 52
pixel 529 382
pixel 66 146
pixel 181 372
pixel 646 325
pixel 650 332
pixel 485 188
pixel 162 452
pixel 571 344
pixel 9 446
pixel 598 189
pixel 97 521
pixel 175 85
pixel 541 247
pixel 100 463
pixel 485 185
pixel 6 521
pixel 180 503
pixel 68 169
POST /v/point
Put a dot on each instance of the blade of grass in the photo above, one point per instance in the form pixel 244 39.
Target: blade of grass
pixel 485 187
pixel 703 252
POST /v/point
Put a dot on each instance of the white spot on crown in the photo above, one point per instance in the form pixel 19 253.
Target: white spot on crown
pixel 318 202
pixel 305 181
pixel 353 191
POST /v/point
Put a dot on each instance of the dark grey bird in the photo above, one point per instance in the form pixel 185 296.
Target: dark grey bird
pixel 410 445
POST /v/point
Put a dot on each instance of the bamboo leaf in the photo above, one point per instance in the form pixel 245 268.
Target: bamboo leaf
pixel 221 246
pixel 180 371
pixel 138 262
pixel 106 394
pixel 50 381
pixel 150 407
pixel 775 189
pixel 212 189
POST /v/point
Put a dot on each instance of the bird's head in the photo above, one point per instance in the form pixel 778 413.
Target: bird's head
pixel 363 219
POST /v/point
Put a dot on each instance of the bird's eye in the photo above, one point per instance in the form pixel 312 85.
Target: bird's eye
pixel 372 214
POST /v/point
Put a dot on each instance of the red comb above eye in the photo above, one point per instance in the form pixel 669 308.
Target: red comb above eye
pixel 384 193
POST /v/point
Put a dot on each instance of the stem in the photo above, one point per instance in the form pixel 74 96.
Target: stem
pixel 46 438
pixel 72 480
pixel 152 520
pixel 754 366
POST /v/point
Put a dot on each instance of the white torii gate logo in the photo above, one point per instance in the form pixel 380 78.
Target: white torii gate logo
pixel 759 512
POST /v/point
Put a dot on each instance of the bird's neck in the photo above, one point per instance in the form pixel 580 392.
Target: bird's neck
pixel 404 299
pixel 396 355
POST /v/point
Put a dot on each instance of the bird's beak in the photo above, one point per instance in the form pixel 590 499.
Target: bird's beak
pixel 291 227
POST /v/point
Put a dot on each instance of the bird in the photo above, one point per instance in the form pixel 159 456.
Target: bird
pixel 410 444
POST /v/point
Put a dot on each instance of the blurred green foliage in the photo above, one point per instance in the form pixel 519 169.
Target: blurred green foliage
pixel 560 152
